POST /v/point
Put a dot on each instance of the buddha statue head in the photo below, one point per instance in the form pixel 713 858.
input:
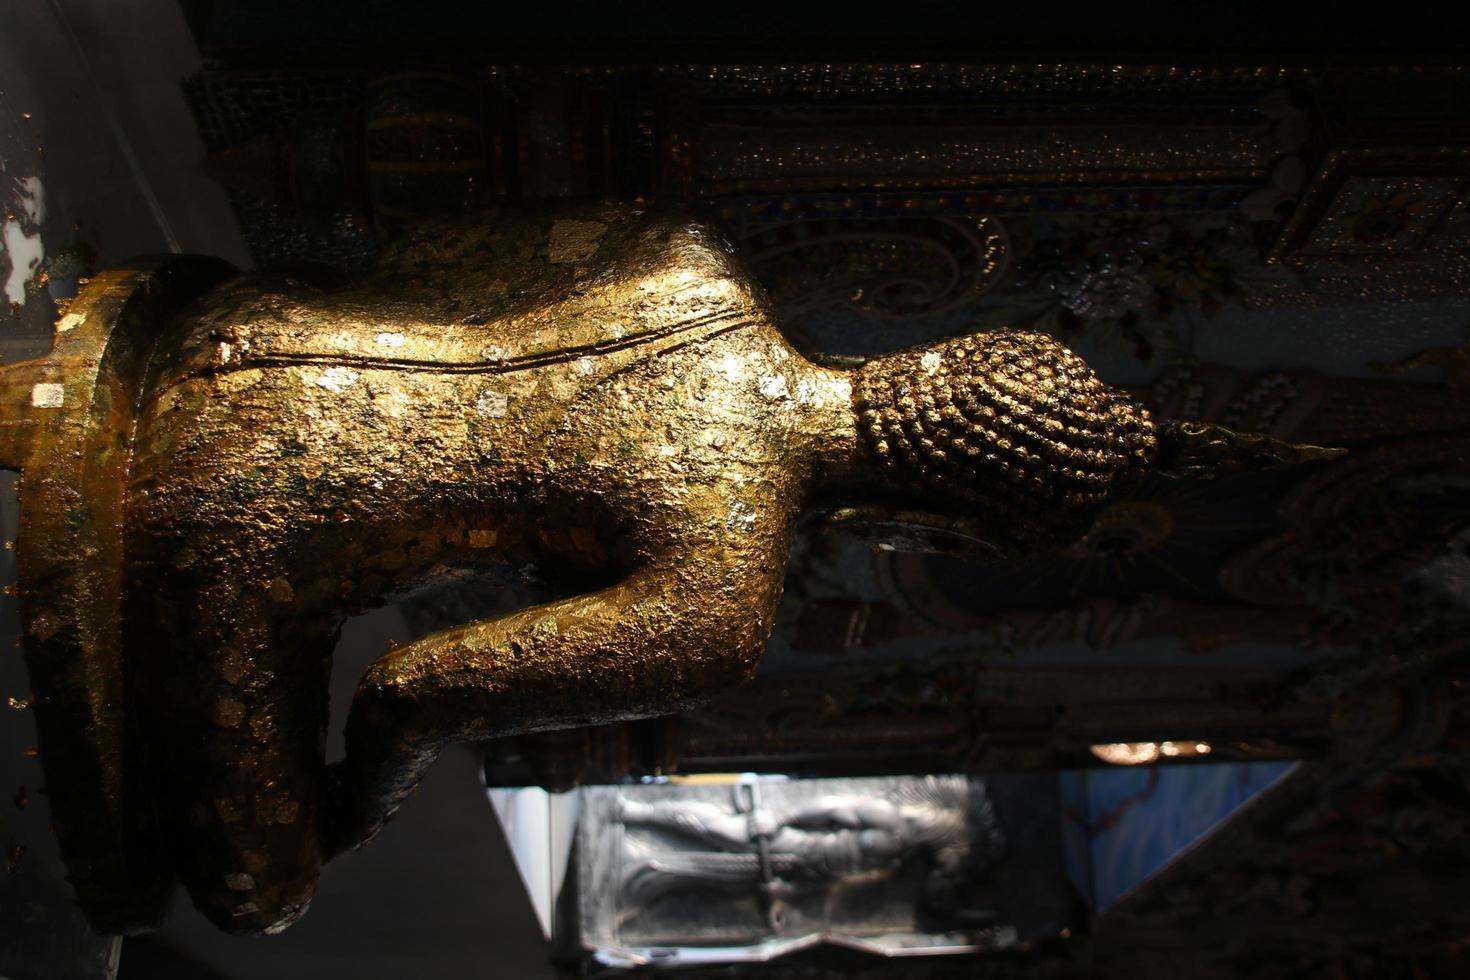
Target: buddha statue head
pixel 1015 440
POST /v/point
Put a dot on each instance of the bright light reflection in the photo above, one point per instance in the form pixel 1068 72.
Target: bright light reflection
pixel 1142 753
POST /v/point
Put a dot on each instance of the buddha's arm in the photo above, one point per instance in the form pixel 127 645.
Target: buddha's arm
pixel 669 635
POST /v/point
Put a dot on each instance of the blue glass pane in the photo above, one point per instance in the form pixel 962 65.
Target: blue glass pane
pixel 1124 823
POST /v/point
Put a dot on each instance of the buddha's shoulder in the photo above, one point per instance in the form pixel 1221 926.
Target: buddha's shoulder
pixel 539 281
pixel 507 290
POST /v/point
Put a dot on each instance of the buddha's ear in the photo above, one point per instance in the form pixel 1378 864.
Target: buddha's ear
pixel 912 530
pixel 1201 450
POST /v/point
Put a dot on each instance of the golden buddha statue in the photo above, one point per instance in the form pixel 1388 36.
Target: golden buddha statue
pixel 219 470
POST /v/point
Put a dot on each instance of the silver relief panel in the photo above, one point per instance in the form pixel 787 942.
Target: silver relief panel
pixel 681 874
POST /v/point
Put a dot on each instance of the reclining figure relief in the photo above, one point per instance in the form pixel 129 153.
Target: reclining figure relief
pixel 599 389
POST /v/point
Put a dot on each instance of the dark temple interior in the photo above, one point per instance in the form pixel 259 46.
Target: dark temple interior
pixel 1226 734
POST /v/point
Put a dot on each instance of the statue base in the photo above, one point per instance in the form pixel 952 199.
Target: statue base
pixel 68 419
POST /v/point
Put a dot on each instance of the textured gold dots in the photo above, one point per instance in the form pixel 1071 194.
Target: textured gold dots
pixel 228 712
pixel 1023 418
